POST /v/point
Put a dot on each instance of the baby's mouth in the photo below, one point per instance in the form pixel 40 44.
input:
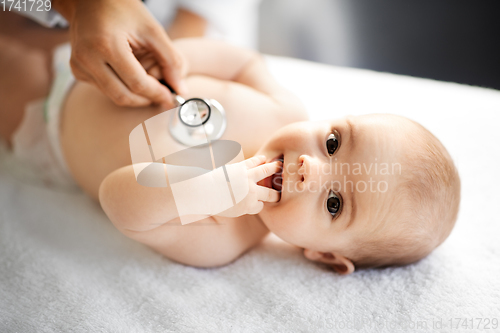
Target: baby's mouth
pixel 277 178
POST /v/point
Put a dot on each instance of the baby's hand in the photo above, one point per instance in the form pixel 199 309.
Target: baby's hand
pixel 253 203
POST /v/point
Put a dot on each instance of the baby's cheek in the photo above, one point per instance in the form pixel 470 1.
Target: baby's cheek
pixel 274 217
pixel 287 224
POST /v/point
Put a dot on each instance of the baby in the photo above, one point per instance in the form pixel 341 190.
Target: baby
pixel 367 191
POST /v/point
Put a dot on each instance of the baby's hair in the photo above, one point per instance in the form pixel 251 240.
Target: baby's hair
pixel 429 192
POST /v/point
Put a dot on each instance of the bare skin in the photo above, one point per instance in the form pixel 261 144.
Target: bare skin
pixel 316 210
pixel 108 37
pixel 25 64
pixel 30 61
pixel 92 127
pixel 26 55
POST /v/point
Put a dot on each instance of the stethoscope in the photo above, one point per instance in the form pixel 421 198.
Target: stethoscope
pixel 196 121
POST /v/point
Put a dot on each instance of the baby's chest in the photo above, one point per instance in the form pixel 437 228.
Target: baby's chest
pixel 165 139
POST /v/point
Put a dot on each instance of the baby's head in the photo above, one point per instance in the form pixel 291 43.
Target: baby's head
pixel 367 191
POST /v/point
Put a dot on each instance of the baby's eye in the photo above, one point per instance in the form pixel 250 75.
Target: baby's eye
pixel 333 204
pixel 332 143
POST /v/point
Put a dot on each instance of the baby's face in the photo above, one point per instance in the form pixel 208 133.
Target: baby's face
pixel 338 181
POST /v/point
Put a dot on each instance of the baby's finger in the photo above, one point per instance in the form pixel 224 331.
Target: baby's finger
pixel 259 205
pixel 254 161
pixel 263 171
pixel 267 194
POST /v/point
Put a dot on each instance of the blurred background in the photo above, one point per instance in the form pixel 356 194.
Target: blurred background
pixel 447 40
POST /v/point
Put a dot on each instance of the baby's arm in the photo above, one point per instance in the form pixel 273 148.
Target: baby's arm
pixel 149 215
pixel 134 207
pixel 240 80
pixel 229 63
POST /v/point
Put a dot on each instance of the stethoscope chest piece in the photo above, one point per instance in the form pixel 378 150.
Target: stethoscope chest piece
pixel 197 121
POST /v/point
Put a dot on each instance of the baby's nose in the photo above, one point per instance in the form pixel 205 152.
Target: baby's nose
pixel 310 171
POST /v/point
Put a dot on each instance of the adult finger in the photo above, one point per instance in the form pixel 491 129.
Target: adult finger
pixel 79 72
pixel 151 66
pixel 109 83
pixel 266 194
pixel 135 77
pixel 170 60
pixel 147 61
pixel 155 72
pixel 263 171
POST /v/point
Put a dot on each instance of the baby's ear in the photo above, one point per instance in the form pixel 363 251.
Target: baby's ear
pixel 339 263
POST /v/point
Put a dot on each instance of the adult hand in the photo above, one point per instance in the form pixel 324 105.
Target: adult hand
pixel 111 39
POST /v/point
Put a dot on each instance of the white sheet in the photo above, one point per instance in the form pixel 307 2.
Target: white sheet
pixel 63 267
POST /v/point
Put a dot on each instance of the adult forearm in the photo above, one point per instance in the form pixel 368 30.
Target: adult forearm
pixel 66 8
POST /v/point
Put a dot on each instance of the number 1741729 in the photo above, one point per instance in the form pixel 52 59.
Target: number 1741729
pixel 26 5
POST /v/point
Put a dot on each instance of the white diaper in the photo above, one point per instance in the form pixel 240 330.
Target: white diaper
pixel 36 143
